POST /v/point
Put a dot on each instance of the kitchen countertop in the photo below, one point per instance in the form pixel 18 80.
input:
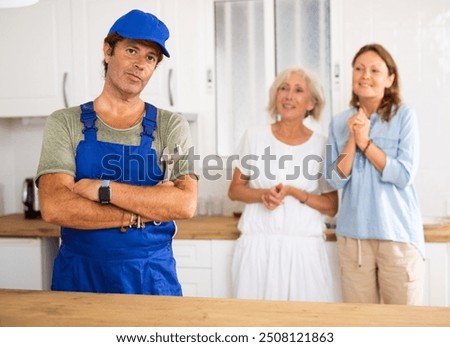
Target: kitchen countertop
pixel 27 308
pixel 197 228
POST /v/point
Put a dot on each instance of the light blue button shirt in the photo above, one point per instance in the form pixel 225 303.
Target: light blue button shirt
pixel 378 205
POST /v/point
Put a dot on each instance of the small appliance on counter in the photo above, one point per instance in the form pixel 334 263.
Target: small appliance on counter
pixel 30 199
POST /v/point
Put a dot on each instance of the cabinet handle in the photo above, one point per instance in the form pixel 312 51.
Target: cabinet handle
pixel 66 104
pixel 169 83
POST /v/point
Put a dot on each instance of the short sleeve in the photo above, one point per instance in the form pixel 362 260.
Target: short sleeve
pixel 176 134
pixel 57 152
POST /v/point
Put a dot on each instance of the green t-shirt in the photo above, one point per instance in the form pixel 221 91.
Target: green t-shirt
pixel 63 132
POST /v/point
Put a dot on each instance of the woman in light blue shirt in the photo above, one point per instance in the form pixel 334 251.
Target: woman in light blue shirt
pixel 375 155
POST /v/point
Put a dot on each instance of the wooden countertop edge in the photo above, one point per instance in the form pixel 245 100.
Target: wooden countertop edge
pixel 27 308
pixel 197 228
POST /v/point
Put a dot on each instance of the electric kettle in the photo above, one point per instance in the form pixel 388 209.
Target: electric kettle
pixel 30 199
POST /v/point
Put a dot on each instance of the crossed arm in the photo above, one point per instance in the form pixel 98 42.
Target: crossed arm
pixel 64 202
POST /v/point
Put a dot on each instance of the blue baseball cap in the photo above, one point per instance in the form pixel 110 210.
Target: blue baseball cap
pixel 138 25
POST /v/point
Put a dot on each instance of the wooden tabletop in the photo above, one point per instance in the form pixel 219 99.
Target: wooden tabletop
pixel 197 228
pixel 44 308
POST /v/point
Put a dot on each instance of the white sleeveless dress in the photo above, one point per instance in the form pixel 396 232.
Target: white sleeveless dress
pixel 281 254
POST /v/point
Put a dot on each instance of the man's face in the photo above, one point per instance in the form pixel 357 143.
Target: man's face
pixel 130 67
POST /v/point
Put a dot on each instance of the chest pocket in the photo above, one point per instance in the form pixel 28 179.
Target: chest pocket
pixel 388 145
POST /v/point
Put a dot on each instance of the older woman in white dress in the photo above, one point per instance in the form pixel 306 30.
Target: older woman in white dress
pixel 281 253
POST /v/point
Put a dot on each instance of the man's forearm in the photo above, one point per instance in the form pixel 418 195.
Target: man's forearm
pixel 77 205
pixel 61 206
pixel 160 202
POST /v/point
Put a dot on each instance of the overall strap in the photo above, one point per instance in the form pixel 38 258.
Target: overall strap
pixel 88 118
pixel 149 121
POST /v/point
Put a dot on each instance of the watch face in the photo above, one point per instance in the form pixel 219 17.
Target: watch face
pixel 104 194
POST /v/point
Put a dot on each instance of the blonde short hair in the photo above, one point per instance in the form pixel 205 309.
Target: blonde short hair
pixel 313 84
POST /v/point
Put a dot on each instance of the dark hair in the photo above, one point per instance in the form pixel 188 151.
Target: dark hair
pixel 114 38
pixel 391 100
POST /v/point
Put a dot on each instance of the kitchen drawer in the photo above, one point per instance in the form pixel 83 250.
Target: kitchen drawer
pixel 192 253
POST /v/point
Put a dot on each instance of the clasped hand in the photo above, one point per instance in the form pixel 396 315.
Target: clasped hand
pixel 274 196
pixel 359 126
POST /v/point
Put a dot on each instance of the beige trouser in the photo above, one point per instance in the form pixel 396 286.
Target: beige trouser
pixel 379 271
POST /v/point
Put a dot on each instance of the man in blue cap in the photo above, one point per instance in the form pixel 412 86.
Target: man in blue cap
pixel 100 174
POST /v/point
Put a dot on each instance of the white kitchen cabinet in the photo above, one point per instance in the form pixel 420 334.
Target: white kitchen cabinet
pixel 193 259
pixel 27 263
pixel 222 256
pixel 55 51
pixel 437 274
pixel 187 45
pixel 204 267
pixel 36 59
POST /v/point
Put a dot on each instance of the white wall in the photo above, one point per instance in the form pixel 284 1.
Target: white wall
pixel 20 145
pixel 6 163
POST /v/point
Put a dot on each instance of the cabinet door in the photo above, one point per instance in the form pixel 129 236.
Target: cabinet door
pixel 222 257
pixel 195 282
pixel 193 259
pixel 437 274
pixel 27 263
pixel 187 72
pixel 35 59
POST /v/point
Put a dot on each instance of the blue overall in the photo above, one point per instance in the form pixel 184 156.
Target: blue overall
pixel 138 261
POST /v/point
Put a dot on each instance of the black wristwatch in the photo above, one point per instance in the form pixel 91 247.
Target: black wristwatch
pixel 104 192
